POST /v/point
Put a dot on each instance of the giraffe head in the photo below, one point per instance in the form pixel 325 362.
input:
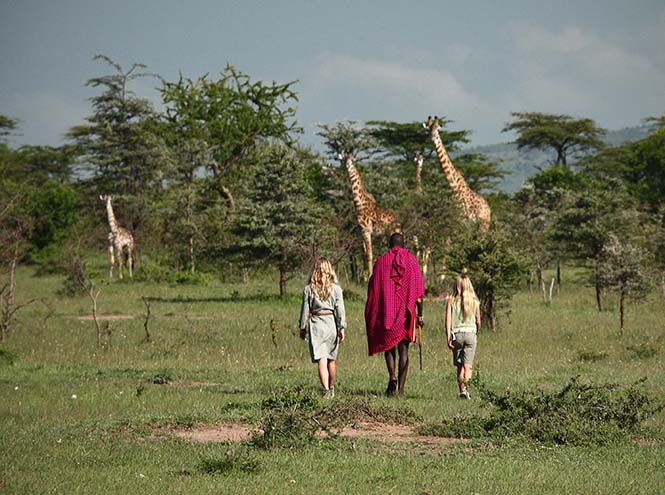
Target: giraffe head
pixel 432 124
pixel 105 197
pixel 418 160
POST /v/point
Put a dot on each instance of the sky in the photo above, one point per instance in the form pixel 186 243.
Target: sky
pixel 473 62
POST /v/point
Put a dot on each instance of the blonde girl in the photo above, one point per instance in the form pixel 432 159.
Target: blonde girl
pixel 322 310
pixel 462 325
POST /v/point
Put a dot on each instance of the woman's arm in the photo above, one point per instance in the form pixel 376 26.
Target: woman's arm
pixel 449 322
pixel 340 314
pixel 304 313
pixel 478 318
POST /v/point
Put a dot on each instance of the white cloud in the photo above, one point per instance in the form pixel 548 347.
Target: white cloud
pixel 432 87
pixel 574 70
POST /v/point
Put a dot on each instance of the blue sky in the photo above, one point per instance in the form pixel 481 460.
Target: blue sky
pixel 473 62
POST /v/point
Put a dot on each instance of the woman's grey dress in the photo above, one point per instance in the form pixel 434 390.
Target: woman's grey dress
pixel 323 329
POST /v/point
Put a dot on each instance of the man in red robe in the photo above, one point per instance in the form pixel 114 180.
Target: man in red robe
pixel 394 302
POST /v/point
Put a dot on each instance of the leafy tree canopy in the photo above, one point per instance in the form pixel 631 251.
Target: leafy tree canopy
pixel 564 134
pixel 231 114
pixel 402 141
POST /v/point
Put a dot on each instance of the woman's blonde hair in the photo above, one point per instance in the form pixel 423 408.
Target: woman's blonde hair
pixel 322 278
pixel 463 291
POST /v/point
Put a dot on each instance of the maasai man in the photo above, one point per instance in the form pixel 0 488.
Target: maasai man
pixel 394 302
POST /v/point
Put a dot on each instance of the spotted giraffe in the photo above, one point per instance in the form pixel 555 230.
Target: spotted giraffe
pixel 474 206
pixel 370 216
pixel 120 239
pixel 418 160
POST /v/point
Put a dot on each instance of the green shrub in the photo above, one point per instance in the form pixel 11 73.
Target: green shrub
pixel 287 420
pixel 645 351
pixel 579 414
pixel 7 357
pixel 156 272
pixel 293 418
pixel 592 356
pixel 240 460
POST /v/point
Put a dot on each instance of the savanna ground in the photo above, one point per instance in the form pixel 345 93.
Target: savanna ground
pixel 79 419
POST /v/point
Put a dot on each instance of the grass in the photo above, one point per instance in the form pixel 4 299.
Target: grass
pixel 78 419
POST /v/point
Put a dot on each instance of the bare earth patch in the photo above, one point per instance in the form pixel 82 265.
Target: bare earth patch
pixel 193 383
pixel 378 432
pixel 216 433
pixel 105 317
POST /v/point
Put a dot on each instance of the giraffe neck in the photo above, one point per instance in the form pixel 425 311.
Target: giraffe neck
pixel 357 187
pixel 113 223
pixel 419 167
pixel 455 179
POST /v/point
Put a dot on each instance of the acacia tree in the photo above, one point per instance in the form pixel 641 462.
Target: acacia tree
pixel 117 146
pixel 589 218
pixel 621 268
pixel 492 264
pixel 278 220
pixel 231 115
pixel 564 134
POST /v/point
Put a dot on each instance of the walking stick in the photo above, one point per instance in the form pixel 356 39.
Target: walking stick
pixel 419 340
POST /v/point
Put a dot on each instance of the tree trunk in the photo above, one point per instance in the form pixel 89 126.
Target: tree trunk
pixel 282 282
pixel 12 277
pixel 558 277
pixel 598 296
pixel 541 283
pixel 245 275
pixel 621 311
pixel 191 253
pixel 529 283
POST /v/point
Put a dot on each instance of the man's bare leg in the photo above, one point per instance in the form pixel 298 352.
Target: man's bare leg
pixel 390 356
pixel 403 348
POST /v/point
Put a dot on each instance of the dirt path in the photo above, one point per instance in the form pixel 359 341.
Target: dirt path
pixel 379 432
pixel 105 317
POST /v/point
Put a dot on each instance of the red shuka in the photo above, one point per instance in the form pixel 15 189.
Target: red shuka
pixel 395 285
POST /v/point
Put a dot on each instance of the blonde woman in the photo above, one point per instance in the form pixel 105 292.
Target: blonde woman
pixel 462 325
pixel 323 311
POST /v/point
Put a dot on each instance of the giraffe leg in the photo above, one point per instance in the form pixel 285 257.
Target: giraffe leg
pixel 120 261
pixel 111 260
pixel 130 262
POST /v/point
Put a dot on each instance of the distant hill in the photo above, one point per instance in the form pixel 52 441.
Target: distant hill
pixel 526 163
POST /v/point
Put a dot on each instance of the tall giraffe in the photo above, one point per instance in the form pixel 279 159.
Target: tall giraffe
pixel 473 204
pixel 370 216
pixel 119 240
pixel 422 252
pixel 418 160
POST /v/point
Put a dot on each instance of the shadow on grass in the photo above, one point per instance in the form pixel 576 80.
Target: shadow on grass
pixel 233 298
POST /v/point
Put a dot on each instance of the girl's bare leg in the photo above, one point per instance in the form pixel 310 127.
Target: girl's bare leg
pixel 332 373
pixel 324 376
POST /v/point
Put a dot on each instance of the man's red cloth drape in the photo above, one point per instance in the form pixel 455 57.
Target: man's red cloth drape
pixel 395 285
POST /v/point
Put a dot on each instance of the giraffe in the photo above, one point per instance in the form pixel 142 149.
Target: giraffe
pixel 119 240
pixel 474 206
pixel 370 216
pixel 418 160
pixel 422 252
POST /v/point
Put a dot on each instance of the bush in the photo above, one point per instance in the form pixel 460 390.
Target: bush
pixel 287 420
pixel 293 418
pixel 579 414
pixel 156 272
pixel 592 356
pixel 236 460
pixel 7 357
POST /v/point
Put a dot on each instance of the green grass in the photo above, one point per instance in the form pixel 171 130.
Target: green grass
pixel 212 359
